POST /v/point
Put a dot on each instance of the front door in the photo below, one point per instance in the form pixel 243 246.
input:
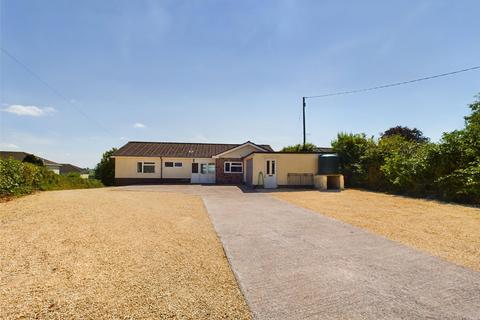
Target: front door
pixel 207 172
pixel 203 172
pixel 249 175
pixel 270 174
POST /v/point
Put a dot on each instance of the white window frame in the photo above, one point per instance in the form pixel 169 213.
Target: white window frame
pixel 234 164
pixel 174 164
pixel 149 163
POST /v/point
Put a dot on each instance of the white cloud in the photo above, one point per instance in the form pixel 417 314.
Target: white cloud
pixel 199 137
pixel 9 146
pixel 139 125
pixel 32 111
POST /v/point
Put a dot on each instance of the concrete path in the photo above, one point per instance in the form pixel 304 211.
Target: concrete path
pixel 292 263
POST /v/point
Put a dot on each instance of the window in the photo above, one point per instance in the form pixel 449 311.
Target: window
pixel 211 168
pixel 171 164
pixel 194 167
pixel 149 167
pixel 146 167
pixel 233 167
pixel 271 167
pixel 203 168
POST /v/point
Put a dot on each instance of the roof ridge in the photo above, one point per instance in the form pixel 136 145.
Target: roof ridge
pixel 170 142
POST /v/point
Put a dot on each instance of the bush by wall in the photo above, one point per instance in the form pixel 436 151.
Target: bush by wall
pixel 448 170
pixel 20 178
pixel 105 169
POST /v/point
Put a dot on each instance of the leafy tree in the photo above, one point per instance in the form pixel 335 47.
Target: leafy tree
pixel 30 158
pixel 407 165
pixel 105 169
pixel 351 149
pixel 403 161
pixel 462 185
pixel 308 147
pixel 409 134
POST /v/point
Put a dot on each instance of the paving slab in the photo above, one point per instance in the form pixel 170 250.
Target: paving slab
pixel 292 263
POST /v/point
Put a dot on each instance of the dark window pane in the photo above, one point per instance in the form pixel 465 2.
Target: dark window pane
pixel 273 167
pixel 236 169
pixel 139 167
pixel 169 164
pixel 268 167
pixel 178 164
pixel 148 169
pixel 194 167
pixel 227 166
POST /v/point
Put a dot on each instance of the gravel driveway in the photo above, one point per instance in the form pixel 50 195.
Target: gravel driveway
pixel 108 253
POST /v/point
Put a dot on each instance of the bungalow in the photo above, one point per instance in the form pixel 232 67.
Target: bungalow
pixel 20 156
pixel 68 168
pixel 246 163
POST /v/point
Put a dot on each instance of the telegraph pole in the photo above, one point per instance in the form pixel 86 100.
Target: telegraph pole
pixel 304 130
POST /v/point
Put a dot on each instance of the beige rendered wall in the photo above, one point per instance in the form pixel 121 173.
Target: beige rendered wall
pixel 285 162
pixel 183 172
pixel 126 167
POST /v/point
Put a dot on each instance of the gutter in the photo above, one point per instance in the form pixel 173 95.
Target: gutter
pixel 161 168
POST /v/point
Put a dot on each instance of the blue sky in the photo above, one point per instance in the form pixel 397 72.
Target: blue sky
pixel 228 71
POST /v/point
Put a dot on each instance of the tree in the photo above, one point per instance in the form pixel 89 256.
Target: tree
pixel 30 158
pixel 409 134
pixel 308 147
pixel 105 169
pixel 351 149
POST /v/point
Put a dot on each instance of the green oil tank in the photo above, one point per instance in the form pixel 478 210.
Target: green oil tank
pixel 328 164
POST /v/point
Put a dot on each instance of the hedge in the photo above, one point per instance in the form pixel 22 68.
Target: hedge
pixel 20 178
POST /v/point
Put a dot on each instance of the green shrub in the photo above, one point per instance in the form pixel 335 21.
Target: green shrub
pixel 20 178
pixel 307 147
pixel 351 149
pixel 105 169
pixel 403 161
pixel 462 185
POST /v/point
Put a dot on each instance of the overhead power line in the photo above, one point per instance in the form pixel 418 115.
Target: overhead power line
pixel 53 89
pixel 392 84
pixel 383 86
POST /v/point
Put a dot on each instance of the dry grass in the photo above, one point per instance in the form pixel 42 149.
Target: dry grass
pixel 104 253
pixel 445 230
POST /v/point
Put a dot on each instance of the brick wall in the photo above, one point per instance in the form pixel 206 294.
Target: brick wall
pixel 227 178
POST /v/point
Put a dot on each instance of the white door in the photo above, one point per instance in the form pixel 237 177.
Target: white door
pixel 270 174
pixel 206 172
pixel 195 177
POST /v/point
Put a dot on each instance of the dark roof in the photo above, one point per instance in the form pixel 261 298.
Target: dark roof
pixel 67 168
pixel 177 149
pixel 20 155
pixel 320 150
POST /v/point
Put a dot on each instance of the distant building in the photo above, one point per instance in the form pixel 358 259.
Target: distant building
pixel 20 155
pixel 67 168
